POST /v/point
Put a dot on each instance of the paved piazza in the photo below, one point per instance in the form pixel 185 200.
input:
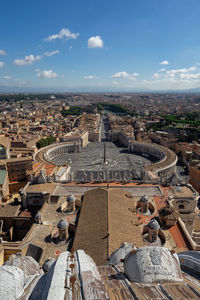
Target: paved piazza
pixel 89 164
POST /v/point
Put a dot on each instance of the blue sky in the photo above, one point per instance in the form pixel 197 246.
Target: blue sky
pixel 102 45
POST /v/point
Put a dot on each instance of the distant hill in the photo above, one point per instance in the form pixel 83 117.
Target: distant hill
pixel 17 89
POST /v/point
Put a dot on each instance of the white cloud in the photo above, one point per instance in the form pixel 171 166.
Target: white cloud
pixel 162 70
pixel 51 53
pixel 156 75
pixel 176 75
pixel 183 78
pixel 173 83
pixel 114 82
pixel 89 77
pixel 124 74
pixel 63 34
pixel 2 52
pixel 174 72
pixel 95 42
pixel 70 48
pixel 1 64
pixel 164 62
pixel 7 77
pixel 46 74
pixel 20 81
pixel 190 76
pixel 28 60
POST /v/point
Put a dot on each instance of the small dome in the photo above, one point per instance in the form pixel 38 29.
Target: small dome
pixel 48 263
pixel 144 198
pixel 70 198
pixel 153 224
pixel 152 264
pixel 120 253
pixel 62 224
pixel 38 215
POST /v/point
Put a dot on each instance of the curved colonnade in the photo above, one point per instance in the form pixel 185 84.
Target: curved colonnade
pixel 165 166
pixel 61 149
pixel 50 153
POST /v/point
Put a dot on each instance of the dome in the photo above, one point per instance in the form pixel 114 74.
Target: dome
pixel 48 263
pixel 152 264
pixel 144 198
pixel 120 253
pixel 62 224
pixel 70 198
pixel 153 224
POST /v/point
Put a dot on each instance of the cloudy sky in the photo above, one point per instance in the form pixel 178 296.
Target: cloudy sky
pixel 100 45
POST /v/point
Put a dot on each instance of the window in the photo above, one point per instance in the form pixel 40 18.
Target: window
pixel 181 206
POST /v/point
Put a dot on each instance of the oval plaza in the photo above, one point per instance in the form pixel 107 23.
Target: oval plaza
pixel 106 161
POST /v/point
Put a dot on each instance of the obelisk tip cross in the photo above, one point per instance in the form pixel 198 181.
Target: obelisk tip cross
pixel 104 159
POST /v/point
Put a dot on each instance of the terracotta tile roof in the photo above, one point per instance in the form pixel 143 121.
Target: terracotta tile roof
pixel 37 188
pixel 49 169
pixel 177 237
pixel 36 165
